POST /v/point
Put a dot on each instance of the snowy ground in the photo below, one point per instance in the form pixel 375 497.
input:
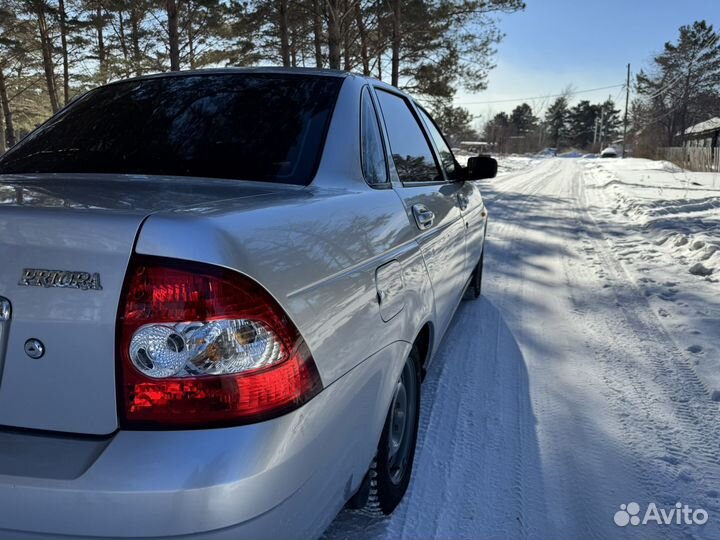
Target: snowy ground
pixel 665 228
pixel 582 380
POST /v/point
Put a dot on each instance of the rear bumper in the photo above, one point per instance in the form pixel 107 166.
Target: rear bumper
pixel 284 478
pixel 279 522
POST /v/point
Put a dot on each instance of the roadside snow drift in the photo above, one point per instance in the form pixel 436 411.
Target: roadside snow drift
pixel 679 209
pixel 665 229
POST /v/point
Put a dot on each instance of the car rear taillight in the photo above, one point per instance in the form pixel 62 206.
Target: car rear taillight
pixel 202 346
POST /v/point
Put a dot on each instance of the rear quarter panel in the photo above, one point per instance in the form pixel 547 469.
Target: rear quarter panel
pixel 317 254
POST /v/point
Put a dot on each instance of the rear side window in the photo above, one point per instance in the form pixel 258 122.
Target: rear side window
pixel 373 153
pixel 446 156
pixel 264 127
pixel 411 152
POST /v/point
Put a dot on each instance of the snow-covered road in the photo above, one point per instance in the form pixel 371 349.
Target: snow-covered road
pixel 562 393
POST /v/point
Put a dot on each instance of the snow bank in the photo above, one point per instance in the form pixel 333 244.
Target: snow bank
pixel 664 227
pixel 679 209
pixel 514 162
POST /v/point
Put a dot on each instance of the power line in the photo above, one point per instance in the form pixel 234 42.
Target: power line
pixel 661 116
pixel 666 87
pixel 678 78
pixel 540 97
pixel 617 96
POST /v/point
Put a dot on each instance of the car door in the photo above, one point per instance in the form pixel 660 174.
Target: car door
pixel 470 200
pixel 430 200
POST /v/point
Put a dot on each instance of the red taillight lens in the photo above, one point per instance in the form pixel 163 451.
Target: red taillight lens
pixel 201 346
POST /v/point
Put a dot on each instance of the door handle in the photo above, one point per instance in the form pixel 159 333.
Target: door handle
pixel 463 201
pixel 423 217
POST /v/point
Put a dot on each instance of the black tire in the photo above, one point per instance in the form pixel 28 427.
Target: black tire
pixel 474 288
pixel 389 478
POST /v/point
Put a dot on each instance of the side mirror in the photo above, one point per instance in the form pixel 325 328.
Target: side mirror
pixel 481 167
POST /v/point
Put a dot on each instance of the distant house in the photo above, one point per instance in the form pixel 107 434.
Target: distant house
pixel 703 135
pixel 700 150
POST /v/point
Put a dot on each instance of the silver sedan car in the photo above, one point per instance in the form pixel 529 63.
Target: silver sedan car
pixel 219 293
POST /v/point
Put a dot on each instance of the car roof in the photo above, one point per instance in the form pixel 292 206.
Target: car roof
pixel 240 70
pixel 299 71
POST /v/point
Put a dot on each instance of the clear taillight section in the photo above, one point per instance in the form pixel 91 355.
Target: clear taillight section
pixel 188 349
pixel 202 346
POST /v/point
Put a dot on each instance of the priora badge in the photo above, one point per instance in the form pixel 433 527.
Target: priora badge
pixel 64 279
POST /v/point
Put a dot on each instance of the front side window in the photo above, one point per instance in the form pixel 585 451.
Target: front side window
pixel 263 127
pixel 411 152
pixel 373 154
pixel 446 156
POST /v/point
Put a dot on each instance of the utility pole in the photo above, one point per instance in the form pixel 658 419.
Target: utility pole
pixel 595 132
pixel 627 104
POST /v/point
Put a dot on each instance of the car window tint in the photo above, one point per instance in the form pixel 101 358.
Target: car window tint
pixel 411 153
pixel 264 127
pixel 446 156
pixel 373 154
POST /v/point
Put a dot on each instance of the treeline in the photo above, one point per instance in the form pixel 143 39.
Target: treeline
pixel 681 88
pixel 585 126
pixel 54 50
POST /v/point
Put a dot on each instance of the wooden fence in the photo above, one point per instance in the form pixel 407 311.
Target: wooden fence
pixel 692 159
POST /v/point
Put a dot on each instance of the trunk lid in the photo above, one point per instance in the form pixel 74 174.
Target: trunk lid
pixel 65 243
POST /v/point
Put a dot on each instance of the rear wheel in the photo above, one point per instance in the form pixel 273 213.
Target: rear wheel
pixel 390 472
pixel 475 286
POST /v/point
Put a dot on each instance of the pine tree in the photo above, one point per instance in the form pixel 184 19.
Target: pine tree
pixel 43 14
pixel 23 91
pixel 683 85
pixel 497 131
pixel 9 47
pixel 582 120
pixel 455 123
pixel 611 122
pixel 522 120
pixel 556 119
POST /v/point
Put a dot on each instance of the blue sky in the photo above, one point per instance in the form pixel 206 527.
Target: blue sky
pixel 556 43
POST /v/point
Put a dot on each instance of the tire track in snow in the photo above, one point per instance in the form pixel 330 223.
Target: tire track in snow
pixel 676 429
pixel 576 463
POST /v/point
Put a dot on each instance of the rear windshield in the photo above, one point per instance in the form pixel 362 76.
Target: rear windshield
pixel 264 127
